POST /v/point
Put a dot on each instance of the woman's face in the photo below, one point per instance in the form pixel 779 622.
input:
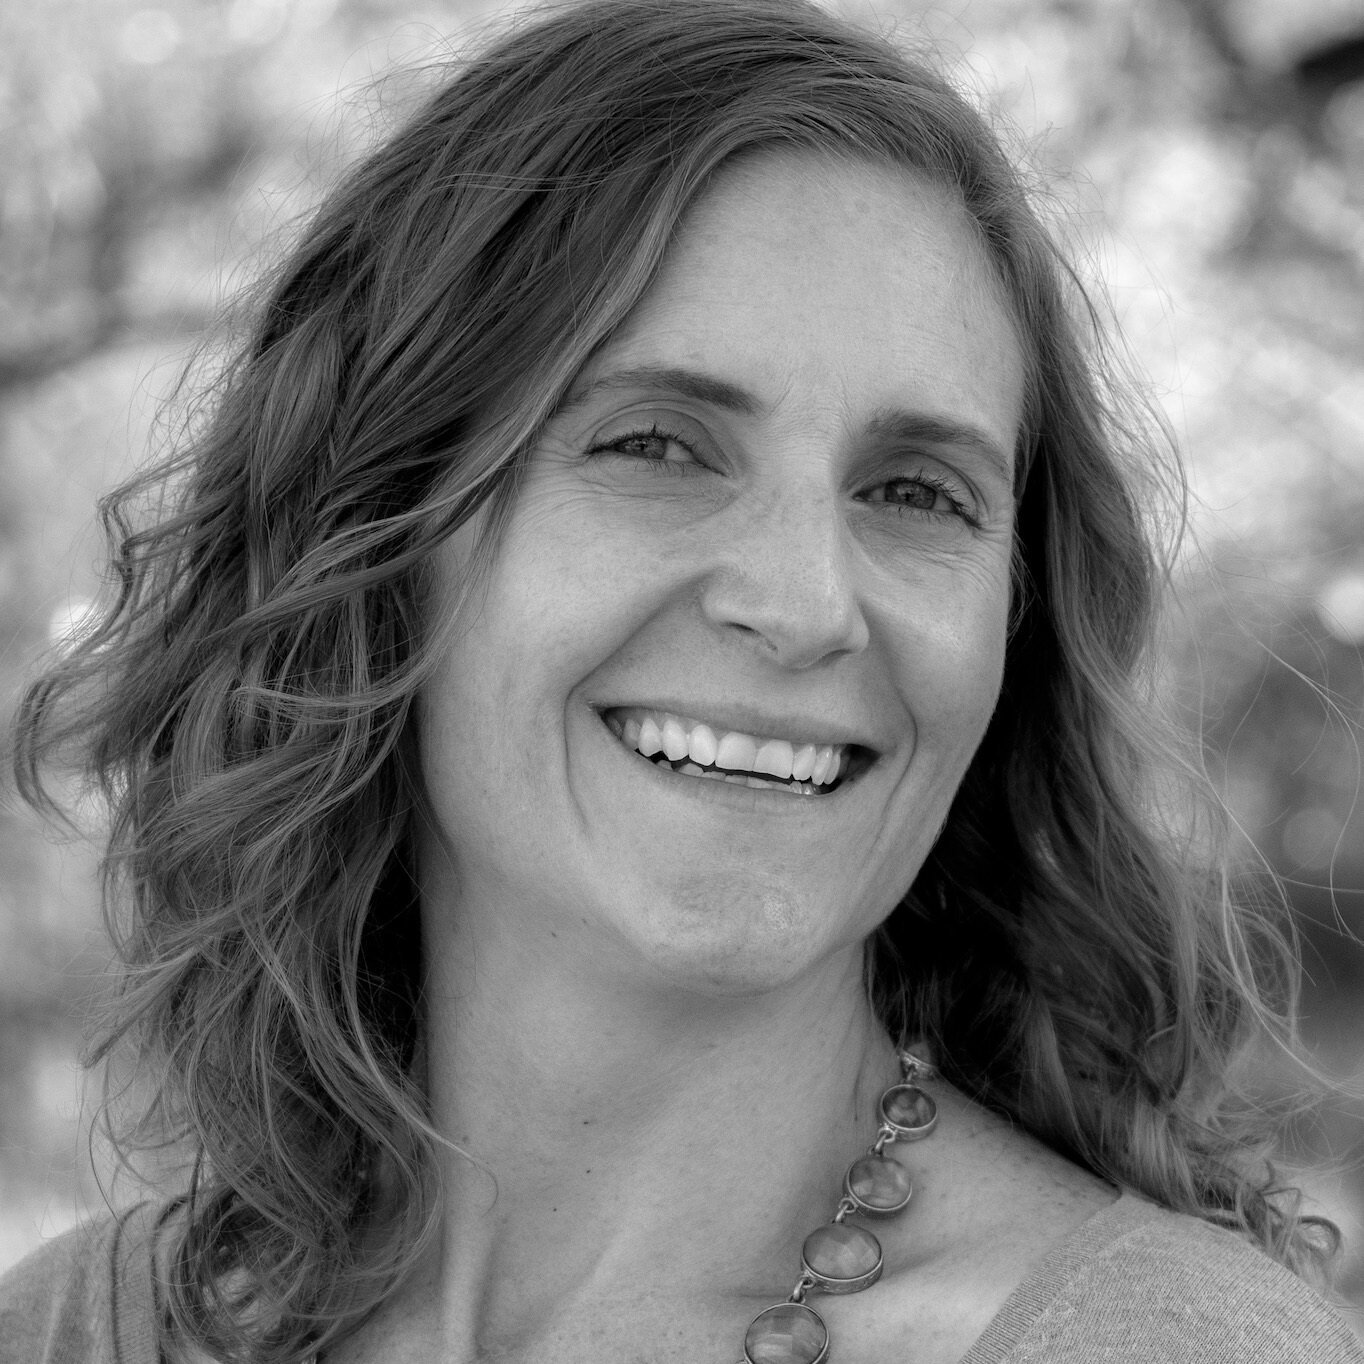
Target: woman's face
pixel 769 530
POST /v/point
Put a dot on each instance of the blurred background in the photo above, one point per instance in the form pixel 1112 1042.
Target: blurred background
pixel 1206 160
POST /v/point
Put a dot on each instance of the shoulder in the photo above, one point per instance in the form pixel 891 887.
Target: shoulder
pixel 1139 1283
pixel 85 1297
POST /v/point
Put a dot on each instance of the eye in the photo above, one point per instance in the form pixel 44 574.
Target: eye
pixel 655 446
pixel 925 494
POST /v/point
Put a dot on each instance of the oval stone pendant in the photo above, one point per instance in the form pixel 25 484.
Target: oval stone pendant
pixel 908 1112
pixel 838 1258
pixel 841 1258
pixel 878 1184
pixel 789 1333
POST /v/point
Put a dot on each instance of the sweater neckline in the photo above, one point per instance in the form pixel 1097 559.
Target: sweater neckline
pixel 1041 1286
pixel 137 1310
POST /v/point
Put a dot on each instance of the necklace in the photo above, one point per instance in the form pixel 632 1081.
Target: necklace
pixel 837 1257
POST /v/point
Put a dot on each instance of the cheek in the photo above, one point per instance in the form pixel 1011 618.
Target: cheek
pixel 973 685
pixel 949 655
pixel 559 598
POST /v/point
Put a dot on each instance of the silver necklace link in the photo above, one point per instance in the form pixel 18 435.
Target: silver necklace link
pixel 842 1257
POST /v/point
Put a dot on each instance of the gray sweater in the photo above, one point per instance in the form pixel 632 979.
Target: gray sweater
pixel 1135 1285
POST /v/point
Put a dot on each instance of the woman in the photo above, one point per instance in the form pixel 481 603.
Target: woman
pixel 644 655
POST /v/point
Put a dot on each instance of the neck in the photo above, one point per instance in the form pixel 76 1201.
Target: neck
pixel 615 1129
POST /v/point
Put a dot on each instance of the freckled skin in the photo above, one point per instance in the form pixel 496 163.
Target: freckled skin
pixel 761 561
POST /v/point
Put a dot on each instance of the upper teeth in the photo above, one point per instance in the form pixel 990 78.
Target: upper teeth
pixel 652 732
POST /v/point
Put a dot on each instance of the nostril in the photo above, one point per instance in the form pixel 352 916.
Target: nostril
pixel 800 615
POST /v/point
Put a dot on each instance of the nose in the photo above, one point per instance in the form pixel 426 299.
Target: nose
pixel 784 580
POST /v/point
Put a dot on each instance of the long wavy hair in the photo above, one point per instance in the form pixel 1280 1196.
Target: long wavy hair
pixel 245 699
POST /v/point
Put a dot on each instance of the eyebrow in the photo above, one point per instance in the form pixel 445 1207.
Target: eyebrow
pixel 685 383
pixel 893 426
pixel 887 426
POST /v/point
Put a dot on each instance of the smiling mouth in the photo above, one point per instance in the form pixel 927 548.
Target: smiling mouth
pixel 692 748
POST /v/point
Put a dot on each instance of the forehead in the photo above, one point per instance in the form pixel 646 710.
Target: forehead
pixel 863 285
pixel 822 200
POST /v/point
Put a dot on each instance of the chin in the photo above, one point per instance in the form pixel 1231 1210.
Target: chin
pixel 740 941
